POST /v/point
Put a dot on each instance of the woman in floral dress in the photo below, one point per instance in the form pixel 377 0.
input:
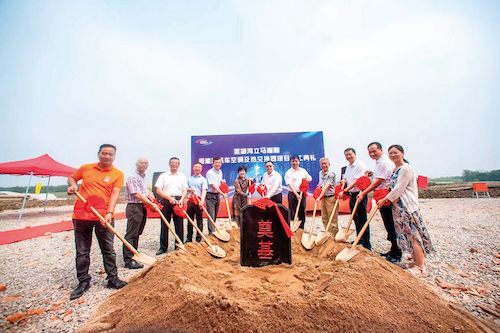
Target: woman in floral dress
pixel 412 233
pixel 240 197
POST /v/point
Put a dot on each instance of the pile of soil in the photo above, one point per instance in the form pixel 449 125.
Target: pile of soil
pixel 193 292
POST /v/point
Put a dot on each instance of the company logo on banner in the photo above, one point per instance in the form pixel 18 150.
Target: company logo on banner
pixel 254 150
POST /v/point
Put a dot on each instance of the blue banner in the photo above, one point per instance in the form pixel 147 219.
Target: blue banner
pixel 254 150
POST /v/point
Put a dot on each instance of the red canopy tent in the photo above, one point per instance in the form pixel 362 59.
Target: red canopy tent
pixel 43 166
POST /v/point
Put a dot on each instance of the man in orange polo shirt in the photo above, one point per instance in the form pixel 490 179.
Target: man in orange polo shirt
pixel 101 187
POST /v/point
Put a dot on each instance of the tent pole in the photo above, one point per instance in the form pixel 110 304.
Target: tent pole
pixel 25 196
pixel 46 195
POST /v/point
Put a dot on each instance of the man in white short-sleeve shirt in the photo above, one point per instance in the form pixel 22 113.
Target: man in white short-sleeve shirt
pixel 354 171
pixel 293 178
pixel 273 182
pixel 214 179
pixel 381 175
pixel 172 187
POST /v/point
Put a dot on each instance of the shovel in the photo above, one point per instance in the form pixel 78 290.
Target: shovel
pixel 323 236
pixel 179 242
pixel 349 253
pixel 223 235
pixel 214 250
pixel 139 257
pixel 344 233
pixel 308 239
pixel 296 222
pixel 229 214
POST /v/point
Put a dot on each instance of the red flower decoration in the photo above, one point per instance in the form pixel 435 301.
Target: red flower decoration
pixel 251 189
pixel 363 183
pixel 148 207
pixel 179 211
pixel 262 190
pixel 83 211
pixel 380 194
pixel 224 188
pixel 338 189
pixel 304 186
pixel 195 199
pixel 317 192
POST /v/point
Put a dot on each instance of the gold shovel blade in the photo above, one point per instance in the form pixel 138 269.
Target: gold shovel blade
pixel 216 251
pixel 346 254
pixel 343 235
pixel 308 241
pixel 322 237
pixel 144 259
pixel 223 235
pixel 295 225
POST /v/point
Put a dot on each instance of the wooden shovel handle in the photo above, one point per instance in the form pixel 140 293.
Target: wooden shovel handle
pixel 372 214
pixel 314 217
pixel 197 229
pixel 333 212
pixel 228 213
pixel 352 214
pixel 179 242
pixel 210 218
pixel 96 213
pixel 297 210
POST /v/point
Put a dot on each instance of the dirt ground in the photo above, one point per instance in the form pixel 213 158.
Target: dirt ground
pixel 193 292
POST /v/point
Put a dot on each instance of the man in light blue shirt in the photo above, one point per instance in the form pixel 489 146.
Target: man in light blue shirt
pixel 197 186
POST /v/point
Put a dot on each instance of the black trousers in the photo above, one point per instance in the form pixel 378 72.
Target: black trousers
pixel 360 219
pixel 278 198
pixel 83 242
pixel 136 220
pixel 193 211
pixel 168 212
pixel 292 205
pixel 386 212
pixel 212 209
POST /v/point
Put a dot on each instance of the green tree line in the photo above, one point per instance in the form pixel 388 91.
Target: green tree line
pixel 473 176
pixel 22 189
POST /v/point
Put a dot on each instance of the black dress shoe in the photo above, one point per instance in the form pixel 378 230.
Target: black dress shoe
pixel 385 254
pixel 160 251
pixel 132 264
pixel 80 290
pixel 393 259
pixel 116 283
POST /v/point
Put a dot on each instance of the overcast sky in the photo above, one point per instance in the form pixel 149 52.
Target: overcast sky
pixel 147 75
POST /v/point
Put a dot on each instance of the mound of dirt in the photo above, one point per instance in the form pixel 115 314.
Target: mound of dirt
pixel 193 292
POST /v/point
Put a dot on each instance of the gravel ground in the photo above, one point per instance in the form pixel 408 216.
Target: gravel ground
pixel 40 274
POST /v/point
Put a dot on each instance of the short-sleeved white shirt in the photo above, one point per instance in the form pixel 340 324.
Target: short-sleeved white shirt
pixel 214 177
pixel 354 171
pixel 172 184
pixel 273 183
pixel 295 177
pixel 383 170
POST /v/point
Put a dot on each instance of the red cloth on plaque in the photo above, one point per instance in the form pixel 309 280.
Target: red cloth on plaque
pixel 267 203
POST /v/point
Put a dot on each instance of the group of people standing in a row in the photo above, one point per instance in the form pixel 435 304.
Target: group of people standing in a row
pixel 405 227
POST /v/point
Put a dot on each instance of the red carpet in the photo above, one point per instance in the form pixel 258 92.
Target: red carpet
pixel 17 235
